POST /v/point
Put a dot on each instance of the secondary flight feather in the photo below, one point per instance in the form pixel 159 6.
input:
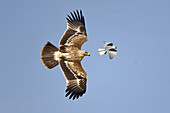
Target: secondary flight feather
pixel 69 55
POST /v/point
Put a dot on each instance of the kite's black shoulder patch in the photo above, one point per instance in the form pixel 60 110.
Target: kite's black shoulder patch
pixel 110 44
pixel 112 50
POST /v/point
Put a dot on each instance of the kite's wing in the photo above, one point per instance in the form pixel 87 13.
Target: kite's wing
pixel 102 51
pixel 112 53
pixel 107 44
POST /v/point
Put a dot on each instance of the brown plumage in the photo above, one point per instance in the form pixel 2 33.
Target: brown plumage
pixel 69 55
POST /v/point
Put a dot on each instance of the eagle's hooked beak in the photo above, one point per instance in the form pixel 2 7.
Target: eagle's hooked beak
pixel 88 54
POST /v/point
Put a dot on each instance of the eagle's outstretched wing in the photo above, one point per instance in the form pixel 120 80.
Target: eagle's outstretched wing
pixel 76 78
pixel 75 34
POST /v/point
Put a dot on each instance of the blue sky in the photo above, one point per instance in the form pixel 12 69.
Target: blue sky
pixel 137 80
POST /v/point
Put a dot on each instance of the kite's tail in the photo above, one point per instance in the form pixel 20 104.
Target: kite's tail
pixel 47 55
pixel 102 51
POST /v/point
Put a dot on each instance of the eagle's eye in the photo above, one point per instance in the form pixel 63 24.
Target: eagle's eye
pixel 87 53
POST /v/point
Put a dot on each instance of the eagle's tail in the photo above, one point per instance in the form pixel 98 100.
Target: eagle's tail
pixel 102 51
pixel 47 55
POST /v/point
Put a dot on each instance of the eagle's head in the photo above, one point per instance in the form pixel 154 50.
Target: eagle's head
pixel 85 53
pixel 81 54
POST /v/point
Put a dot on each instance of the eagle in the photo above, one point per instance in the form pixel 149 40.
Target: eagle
pixel 69 55
pixel 108 48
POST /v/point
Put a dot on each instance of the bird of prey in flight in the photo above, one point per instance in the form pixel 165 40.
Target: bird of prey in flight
pixel 69 55
pixel 108 48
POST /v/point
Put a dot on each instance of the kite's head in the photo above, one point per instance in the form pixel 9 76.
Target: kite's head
pixel 114 47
